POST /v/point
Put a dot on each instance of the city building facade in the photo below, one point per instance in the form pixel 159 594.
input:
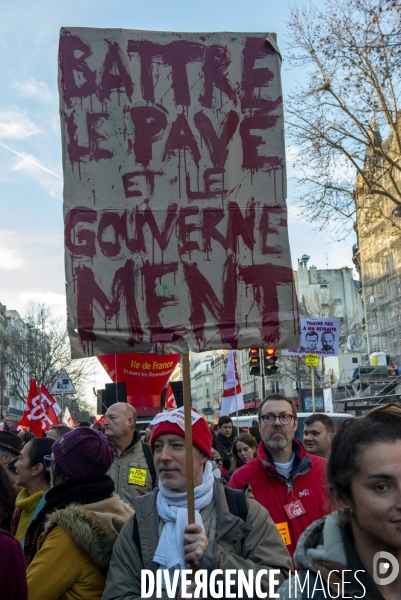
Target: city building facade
pixel 202 383
pixel 10 405
pixel 377 257
pixel 332 293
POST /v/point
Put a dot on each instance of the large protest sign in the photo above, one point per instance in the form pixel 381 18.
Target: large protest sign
pixel 318 336
pixel 174 194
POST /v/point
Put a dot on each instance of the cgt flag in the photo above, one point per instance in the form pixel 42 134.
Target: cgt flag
pixel 35 414
pixel 232 394
pixel 170 399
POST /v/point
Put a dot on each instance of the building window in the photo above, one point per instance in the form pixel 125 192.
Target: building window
pixel 337 301
pixel 207 393
pixel 323 286
pixel 355 359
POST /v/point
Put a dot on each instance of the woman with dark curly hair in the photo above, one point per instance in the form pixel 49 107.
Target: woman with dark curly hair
pixel 348 553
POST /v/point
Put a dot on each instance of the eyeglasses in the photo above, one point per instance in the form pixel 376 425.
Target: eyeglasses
pixel 285 419
pixel 48 461
pixel 218 461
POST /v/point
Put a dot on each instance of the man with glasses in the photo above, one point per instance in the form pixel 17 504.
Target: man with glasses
pixel 286 480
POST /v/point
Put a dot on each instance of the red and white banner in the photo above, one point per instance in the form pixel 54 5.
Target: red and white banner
pixel 39 414
pixel 232 394
pixel 52 408
pixel 174 192
pixel 170 399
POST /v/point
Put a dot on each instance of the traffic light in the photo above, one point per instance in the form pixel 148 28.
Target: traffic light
pixel 254 361
pixel 270 355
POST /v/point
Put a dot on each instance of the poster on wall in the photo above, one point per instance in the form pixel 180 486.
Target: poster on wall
pixel 174 192
pixel 319 400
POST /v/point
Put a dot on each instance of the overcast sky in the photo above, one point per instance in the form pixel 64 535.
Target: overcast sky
pixel 31 228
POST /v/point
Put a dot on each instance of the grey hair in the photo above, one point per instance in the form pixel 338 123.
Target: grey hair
pixel 9 454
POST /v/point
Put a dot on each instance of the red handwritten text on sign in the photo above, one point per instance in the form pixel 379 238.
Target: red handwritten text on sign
pixel 175 216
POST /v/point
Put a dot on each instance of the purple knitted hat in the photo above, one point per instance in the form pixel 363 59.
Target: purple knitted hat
pixel 83 452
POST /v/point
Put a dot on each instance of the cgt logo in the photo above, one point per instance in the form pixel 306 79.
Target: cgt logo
pixel 385 568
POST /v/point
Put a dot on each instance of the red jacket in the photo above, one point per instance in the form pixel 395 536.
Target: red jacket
pixel 306 483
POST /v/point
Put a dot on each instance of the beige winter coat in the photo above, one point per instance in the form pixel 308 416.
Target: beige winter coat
pixel 123 470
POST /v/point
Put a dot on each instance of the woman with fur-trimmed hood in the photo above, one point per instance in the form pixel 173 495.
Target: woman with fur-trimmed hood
pixel 348 553
pixel 82 517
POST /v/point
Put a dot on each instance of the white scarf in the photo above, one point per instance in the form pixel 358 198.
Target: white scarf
pixel 172 508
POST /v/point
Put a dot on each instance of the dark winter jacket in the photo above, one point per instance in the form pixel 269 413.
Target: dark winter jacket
pixel 224 446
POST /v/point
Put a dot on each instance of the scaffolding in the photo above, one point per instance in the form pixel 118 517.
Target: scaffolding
pixel 377 257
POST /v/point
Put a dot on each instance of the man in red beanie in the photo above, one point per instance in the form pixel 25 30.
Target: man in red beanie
pixel 232 531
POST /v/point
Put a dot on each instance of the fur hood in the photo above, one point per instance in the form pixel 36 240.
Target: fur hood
pixel 88 532
pixel 321 543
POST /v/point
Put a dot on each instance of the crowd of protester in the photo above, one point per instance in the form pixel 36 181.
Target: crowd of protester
pixel 83 511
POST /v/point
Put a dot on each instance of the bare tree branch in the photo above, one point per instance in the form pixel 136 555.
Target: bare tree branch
pixel 39 349
pixel 343 121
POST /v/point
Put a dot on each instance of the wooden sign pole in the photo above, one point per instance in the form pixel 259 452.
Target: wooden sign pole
pixel 186 380
pixel 313 389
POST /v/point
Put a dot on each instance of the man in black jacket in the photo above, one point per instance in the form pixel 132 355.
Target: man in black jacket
pixel 223 441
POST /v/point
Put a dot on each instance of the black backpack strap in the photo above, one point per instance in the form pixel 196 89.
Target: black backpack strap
pixel 136 538
pixel 149 459
pixel 236 503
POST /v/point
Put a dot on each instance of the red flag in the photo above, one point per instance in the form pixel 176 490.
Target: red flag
pixel 100 420
pixel 34 415
pixel 170 399
pixel 51 408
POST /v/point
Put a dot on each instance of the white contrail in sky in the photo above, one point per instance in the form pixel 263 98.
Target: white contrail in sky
pixel 30 160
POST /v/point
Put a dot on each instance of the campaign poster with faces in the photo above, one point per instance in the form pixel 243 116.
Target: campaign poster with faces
pixel 318 336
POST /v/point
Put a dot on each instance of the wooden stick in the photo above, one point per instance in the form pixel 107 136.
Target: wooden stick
pixel 313 389
pixel 186 380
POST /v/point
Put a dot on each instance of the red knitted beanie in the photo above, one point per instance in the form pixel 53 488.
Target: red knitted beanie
pixel 201 436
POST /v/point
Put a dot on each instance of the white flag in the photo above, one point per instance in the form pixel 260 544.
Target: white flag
pixel 232 395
